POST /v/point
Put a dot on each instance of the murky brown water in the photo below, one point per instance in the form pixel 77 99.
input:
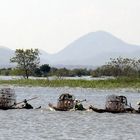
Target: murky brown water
pixel 47 125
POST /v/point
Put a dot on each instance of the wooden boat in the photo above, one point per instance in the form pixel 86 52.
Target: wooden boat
pixel 115 104
pixel 65 103
pixel 54 108
pixel 112 111
pixel 7 98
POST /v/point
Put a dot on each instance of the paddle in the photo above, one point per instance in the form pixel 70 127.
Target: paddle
pixel 83 100
pixel 23 101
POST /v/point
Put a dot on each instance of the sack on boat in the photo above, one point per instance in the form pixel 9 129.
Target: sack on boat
pixel 116 103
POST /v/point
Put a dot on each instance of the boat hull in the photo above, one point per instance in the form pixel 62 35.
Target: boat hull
pixel 129 110
pixel 54 108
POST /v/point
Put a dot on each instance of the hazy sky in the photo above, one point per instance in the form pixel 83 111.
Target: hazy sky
pixel 53 24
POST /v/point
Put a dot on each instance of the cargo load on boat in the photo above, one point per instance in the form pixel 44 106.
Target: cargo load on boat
pixel 7 98
pixel 116 103
pixel 65 102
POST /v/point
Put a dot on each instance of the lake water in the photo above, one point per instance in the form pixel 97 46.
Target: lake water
pixel 48 125
pixel 55 77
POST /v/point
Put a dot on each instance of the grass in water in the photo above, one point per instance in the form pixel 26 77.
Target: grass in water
pixel 109 83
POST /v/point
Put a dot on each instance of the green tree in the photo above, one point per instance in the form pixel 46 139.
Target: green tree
pixel 17 72
pixel 119 67
pixel 27 60
pixel 45 69
pixel 62 72
pixel 37 72
pixel 53 71
pixel 81 72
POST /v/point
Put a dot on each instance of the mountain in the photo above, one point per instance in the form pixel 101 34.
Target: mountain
pixel 93 49
pixel 5 55
pixel 44 57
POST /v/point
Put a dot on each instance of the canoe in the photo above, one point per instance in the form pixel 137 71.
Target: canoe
pixel 127 110
pixel 54 108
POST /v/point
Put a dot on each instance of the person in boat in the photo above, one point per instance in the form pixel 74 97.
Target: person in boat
pixel 138 107
pixel 26 105
pixel 78 105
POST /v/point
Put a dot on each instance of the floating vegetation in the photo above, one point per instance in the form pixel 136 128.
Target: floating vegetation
pixel 108 83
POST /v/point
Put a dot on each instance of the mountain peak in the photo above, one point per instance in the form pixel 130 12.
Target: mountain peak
pixel 94 48
pixel 98 45
pixel 100 32
pixel 102 36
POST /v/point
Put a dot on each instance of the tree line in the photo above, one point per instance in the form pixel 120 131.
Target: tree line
pixel 28 64
pixel 125 67
pixel 45 70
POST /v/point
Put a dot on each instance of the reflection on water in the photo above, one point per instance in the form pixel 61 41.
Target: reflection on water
pixel 47 125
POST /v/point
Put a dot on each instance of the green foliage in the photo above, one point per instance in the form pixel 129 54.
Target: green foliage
pixel 81 72
pixel 37 72
pixel 5 72
pixel 102 84
pixel 119 67
pixel 63 72
pixel 44 69
pixel 17 72
pixel 53 71
pixel 27 60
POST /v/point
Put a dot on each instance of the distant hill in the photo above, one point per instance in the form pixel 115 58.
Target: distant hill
pixel 93 49
pixel 44 57
pixel 5 55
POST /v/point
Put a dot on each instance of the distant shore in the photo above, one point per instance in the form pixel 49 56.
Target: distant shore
pixel 101 84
